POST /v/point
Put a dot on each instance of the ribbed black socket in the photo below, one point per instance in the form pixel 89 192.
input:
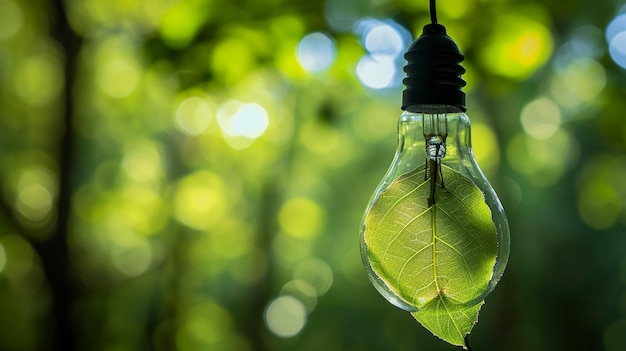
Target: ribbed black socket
pixel 433 70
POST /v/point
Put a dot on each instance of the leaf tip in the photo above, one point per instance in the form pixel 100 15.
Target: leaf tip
pixel 466 345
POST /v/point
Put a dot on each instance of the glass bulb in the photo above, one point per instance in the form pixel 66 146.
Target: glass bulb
pixel 431 134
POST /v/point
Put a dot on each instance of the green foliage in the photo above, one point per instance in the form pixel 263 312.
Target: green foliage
pixel 437 257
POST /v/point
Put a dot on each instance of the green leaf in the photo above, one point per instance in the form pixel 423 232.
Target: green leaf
pixel 438 258
pixel 448 321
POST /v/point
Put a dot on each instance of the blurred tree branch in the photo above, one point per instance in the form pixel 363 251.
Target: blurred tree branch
pixel 54 252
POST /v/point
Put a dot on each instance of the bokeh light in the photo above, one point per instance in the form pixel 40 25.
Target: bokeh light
pixel 207 325
pixel 34 201
pixel 541 118
pixel 285 316
pixel 385 42
pixel 143 161
pixel 382 39
pixel 249 120
pixel 23 273
pixel 579 82
pixel 376 73
pixel 341 15
pixel 518 48
pixel 194 115
pixel 316 52
pixel 615 27
pixel 543 161
pixel 599 205
pixel 585 42
pixel 36 191
pixel 133 259
pixel 315 272
pixel 601 199
pixel 119 77
pixel 200 200
pixel 617 49
pixel 616 38
pixel 303 291
pixel 301 218
pixel 181 22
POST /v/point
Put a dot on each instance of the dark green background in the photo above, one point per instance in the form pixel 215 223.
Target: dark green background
pixel 121 230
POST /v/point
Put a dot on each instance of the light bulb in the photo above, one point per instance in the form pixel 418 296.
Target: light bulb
pixel 402 240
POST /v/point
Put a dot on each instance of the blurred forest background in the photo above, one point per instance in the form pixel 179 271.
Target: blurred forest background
pixel 191 175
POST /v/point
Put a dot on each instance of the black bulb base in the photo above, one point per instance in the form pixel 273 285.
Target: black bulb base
pixel 433 71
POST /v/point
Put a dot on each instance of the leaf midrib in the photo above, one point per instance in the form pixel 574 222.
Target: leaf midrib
pixel 456 326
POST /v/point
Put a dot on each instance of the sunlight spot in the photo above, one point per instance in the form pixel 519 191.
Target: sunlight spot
pixel 285 316
pixel 303 291
pixel 376 74
pixel 316 52
pixel 193 115
pixel 249 120
pixel 383 40
pixel 541 118
pixel 616 38
pixel 34 202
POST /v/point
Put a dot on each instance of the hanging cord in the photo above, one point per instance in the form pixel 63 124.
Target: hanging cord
pixel 433 11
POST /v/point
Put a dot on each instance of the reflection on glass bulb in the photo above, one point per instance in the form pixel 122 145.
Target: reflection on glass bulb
pixel 435 138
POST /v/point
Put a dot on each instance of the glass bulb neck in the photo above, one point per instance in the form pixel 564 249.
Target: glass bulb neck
pixel 435 131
